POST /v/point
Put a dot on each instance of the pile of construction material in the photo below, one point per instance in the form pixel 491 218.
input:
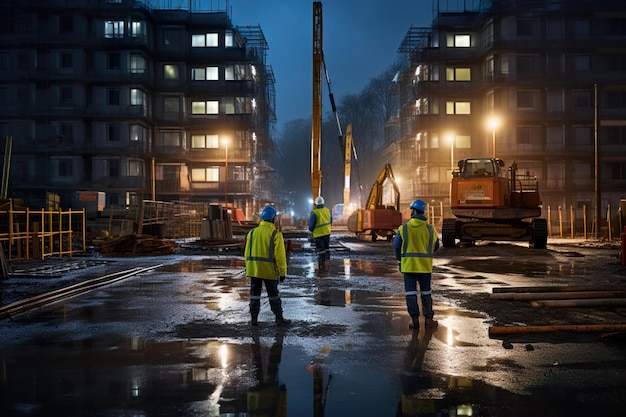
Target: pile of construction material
pixel 137 245
pixel 563 297
pixel 217 224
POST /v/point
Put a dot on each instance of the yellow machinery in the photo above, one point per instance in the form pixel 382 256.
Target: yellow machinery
pixel 490 205
pixel 377 218
pixel 316 121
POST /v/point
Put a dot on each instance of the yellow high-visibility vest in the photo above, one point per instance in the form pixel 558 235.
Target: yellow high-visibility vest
pixel 265 253
pixel 418 245
pixel 322 222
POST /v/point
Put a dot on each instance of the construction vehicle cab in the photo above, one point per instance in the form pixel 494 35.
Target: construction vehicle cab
pixel 492 204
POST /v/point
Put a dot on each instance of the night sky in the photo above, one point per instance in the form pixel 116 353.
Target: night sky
pixel 360 41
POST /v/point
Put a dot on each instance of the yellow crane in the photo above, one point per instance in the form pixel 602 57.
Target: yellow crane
pixel 316 118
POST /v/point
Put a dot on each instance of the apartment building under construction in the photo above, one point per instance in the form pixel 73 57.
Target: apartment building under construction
pixel 551 73
pixel 138 102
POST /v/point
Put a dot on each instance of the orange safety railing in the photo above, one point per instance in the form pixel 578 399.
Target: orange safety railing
pixel 35 234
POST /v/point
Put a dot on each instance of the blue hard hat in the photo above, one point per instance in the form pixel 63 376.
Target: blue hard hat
pixel 419 205
pixel 268 213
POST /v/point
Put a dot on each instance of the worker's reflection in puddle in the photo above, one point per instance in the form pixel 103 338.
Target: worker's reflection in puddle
pixel 268 397
pixel 416 382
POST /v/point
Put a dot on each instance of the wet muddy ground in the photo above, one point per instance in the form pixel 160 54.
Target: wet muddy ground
pixel 177 340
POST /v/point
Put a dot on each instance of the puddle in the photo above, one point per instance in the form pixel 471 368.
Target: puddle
pixel 110 376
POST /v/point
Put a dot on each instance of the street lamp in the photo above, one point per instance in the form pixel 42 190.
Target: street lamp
pixel 225 142
pixel 451 138
pixel 493 123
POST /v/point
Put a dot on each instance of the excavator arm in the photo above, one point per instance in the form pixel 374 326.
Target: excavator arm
pixel 375 198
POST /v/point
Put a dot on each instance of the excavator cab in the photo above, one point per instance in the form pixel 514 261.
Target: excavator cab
pixel 480 167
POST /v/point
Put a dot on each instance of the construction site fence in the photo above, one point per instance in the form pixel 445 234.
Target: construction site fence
pixel 36 234
pixel 562 222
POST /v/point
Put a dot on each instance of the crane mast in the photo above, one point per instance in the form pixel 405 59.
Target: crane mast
pixel 346 165
pixel 316 122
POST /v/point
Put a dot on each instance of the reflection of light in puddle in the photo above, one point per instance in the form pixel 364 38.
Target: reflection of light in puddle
pixel 449 337
pixel 224 355
pixel 346 267
pixel 135 391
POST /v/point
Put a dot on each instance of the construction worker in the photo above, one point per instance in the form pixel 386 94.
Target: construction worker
pixel 319 224
pixel 266 262
pixel 414 245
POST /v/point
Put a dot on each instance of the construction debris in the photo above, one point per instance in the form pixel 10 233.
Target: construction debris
pixel 137 245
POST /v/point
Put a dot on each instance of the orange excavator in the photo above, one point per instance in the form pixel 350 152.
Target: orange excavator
pixel 381 216
pixel 491 204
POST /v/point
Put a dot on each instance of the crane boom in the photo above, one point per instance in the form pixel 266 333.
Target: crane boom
pixel 316 118
pixel 346 165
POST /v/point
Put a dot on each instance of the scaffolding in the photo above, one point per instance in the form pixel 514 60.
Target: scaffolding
pixel 36 234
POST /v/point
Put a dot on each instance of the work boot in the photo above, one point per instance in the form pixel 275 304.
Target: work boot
pixel 254 321
pixel 430 323
pixel 414 324
pixel 281 321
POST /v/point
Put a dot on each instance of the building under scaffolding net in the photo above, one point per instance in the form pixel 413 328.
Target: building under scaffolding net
pixel 190 117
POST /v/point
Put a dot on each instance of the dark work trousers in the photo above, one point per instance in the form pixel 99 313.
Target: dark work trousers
pixel 411 281
pixel 322 248
pixel 271 285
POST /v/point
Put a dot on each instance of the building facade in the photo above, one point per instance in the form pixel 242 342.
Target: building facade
pixel 517 80
pixel 140 103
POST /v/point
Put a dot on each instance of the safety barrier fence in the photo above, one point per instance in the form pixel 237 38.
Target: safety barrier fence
pixel 36 234
pixel 567 223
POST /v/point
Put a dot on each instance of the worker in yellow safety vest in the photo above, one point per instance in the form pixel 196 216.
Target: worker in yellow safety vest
pixel 266 263
pixel 414 245
pixel 319 225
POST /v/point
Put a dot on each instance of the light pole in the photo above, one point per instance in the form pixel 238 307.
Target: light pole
pixel 450 138
pixel 493 123
pixel 225 142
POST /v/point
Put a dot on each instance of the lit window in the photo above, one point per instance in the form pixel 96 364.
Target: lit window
pixel 137 29
pixel 137 64
pixel 114 29
pixel 170 72
pixel 212 107
pixel 228 39
pixel 210 174
pixel 458 107
pixel 204 141
pixel 205 107
pixel 208 40
pixel 236 72
pixel 198 41
pixel 458 74
pixel 459 41
pixel 137 133
pixel 137 97
pixel 198 107
pixel 205 74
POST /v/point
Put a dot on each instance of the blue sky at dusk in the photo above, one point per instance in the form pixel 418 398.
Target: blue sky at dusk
pixel 360 40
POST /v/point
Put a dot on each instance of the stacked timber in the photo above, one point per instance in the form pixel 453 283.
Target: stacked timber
pixel 217 225
pixel 137 245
